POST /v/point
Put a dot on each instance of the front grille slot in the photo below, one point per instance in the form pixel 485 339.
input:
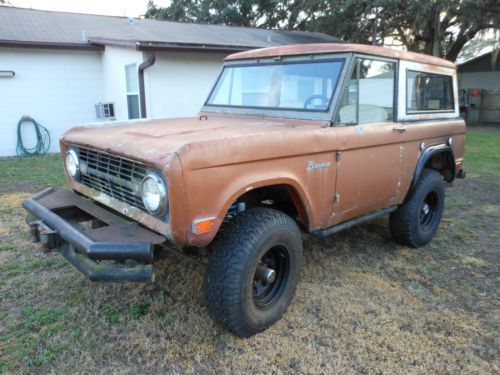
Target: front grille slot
pixel 117 177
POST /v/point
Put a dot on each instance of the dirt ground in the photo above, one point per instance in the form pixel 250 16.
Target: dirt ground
pixel 364 305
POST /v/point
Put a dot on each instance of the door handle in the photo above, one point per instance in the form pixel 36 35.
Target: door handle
pixel 399 129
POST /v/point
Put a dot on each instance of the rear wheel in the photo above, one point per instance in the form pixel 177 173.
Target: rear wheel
pixel 253 271
pixel 417 219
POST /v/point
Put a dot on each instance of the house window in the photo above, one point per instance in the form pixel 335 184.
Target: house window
pixel 132 91
pixel 369 95
pixel 428 92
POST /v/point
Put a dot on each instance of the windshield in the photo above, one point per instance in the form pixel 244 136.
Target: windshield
pixel 305 86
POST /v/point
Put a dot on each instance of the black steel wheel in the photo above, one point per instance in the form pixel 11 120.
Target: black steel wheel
pixel 416 221
pixel 428 210
pixel 271 276
pixel 253 270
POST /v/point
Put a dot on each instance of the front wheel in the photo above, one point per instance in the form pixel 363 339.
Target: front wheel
pixel 253 270
pixel 416 221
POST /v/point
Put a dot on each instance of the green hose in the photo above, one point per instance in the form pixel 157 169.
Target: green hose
pixel 42 139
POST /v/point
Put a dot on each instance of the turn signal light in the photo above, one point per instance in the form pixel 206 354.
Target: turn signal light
pixel 204 225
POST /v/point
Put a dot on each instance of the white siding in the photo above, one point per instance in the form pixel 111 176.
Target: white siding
pixel 115 86
pixel 479 80
pixel 56 88
pixel 179 82
pixel 60 88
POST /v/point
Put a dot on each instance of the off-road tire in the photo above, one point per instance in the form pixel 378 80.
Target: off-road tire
pixel 406 225
pixel 229 287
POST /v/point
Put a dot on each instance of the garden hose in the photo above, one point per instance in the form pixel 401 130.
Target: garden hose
pixel 42 139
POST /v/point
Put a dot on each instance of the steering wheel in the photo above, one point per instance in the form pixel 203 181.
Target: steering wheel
pixel 323 98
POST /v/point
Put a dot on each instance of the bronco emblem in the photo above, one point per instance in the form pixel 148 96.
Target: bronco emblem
pixel 311 164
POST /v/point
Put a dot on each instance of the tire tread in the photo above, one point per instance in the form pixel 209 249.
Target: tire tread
pixel 401 225
pixel 229 252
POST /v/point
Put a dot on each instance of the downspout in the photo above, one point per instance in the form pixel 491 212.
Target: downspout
pixel 142 93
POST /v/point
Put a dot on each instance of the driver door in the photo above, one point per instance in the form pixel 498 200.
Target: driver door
pixel 370 142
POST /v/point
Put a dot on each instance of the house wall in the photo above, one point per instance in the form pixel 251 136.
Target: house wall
pixel 179 82
pixel 114 61
pixel 479 80
pixel 57 88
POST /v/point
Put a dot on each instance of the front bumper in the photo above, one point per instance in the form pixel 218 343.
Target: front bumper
pixel 99 243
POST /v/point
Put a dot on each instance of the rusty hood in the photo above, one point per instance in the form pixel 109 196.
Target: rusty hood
pixel 210 139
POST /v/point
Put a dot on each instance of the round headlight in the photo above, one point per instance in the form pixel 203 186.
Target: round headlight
pixel 72 164
pixel 154 194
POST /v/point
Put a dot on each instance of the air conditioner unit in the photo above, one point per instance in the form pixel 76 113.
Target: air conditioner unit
pixel 105 111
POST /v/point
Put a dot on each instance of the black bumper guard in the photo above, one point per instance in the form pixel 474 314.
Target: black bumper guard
pixel 59 214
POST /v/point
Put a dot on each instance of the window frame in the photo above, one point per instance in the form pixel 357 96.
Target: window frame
pixel 427 111
pixel 288 114
pixel 353 64
pixel 132 93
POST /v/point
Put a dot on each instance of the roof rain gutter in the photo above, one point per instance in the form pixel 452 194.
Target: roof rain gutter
pixel 142 92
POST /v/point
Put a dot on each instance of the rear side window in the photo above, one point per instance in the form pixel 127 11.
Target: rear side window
pixel 428 92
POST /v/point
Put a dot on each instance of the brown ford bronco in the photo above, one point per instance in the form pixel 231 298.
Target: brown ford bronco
pixel 314 138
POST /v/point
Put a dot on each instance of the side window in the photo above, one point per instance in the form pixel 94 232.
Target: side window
pixel 369 95
pixel 132 80
pixel 428 92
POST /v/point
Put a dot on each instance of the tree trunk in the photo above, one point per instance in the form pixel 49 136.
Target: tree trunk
pixel 436 38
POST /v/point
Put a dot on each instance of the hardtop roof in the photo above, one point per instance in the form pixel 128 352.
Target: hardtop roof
pixel 324 48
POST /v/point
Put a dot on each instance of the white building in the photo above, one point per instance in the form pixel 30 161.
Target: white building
pixel 479 84
pixel 66 69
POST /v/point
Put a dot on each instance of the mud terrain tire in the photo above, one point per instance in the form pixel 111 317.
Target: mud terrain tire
pixel 416 221
pixel 236 294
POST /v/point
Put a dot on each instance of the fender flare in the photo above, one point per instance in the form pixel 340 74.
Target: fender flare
pixel 298 194
pixel 426 155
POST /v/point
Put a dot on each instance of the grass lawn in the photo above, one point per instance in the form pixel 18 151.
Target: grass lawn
pixel 363 305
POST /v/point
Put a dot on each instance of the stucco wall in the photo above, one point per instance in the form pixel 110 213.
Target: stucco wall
pixel 56 88
pixel 479 80
pixel 179 82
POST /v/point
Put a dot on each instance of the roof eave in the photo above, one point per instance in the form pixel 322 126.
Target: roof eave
pixel 49 45
pixel 168 46
pixel 474 59
pixel 155 46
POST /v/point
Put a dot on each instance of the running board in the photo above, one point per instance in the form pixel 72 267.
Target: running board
pixel 353 222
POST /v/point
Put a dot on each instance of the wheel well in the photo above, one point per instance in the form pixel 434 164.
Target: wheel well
pixel 442 162
pixel 283 198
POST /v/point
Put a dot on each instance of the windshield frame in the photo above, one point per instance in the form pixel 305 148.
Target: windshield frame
pixel 296 113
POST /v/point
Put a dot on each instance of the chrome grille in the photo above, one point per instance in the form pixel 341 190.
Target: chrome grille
pixel 117 177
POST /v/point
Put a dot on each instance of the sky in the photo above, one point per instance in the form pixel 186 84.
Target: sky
pixel 128 8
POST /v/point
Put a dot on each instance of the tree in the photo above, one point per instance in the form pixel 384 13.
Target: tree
pixel 435 27
pixel 234 13
pixel 438 27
